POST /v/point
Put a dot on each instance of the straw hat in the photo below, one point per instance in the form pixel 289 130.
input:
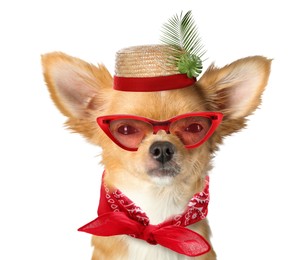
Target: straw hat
pixel 148 68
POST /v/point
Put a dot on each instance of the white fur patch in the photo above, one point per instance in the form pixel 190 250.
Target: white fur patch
pixel 139 249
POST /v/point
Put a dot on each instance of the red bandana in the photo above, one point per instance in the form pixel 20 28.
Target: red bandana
pixel 118 215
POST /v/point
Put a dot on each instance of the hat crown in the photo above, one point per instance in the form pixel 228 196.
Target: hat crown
pixel 145 61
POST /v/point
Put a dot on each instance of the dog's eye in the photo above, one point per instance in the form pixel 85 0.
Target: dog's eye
pixel 127 130
pixel 194 128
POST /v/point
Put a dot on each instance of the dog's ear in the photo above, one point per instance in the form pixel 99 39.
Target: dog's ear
pixel 73 83
pixel 236 89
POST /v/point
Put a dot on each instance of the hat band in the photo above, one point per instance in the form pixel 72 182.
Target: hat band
pixel 148 84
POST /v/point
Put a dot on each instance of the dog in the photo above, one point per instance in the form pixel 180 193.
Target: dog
pixel 147 154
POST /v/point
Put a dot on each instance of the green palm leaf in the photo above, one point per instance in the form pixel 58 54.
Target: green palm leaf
pixel 181 34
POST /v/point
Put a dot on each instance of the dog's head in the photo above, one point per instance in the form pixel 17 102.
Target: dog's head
pixel 145 144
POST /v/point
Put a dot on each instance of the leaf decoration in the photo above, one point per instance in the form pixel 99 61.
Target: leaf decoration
pixel 181 34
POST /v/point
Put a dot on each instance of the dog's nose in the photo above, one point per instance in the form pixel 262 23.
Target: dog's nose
pixel 162 151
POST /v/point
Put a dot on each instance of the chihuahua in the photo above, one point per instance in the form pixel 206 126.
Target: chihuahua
pixel 157 150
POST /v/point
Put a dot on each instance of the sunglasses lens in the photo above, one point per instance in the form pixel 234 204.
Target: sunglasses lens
pixel 191 130
pixel 129 132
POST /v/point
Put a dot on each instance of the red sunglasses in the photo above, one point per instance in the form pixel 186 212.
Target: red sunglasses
pixel 128 131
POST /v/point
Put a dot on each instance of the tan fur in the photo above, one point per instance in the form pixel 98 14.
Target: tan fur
pixel 83 92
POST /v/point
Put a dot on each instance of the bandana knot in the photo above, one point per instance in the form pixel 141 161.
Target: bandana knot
pixel 148 234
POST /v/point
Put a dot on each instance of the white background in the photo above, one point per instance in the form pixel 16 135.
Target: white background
pixel 49 178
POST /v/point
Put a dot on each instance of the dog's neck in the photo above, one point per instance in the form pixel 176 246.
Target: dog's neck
pixel 158 203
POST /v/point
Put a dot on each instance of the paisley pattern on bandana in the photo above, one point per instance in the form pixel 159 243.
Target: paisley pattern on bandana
pixel 119 202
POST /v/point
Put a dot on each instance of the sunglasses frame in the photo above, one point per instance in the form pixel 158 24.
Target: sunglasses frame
pixel 215 117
